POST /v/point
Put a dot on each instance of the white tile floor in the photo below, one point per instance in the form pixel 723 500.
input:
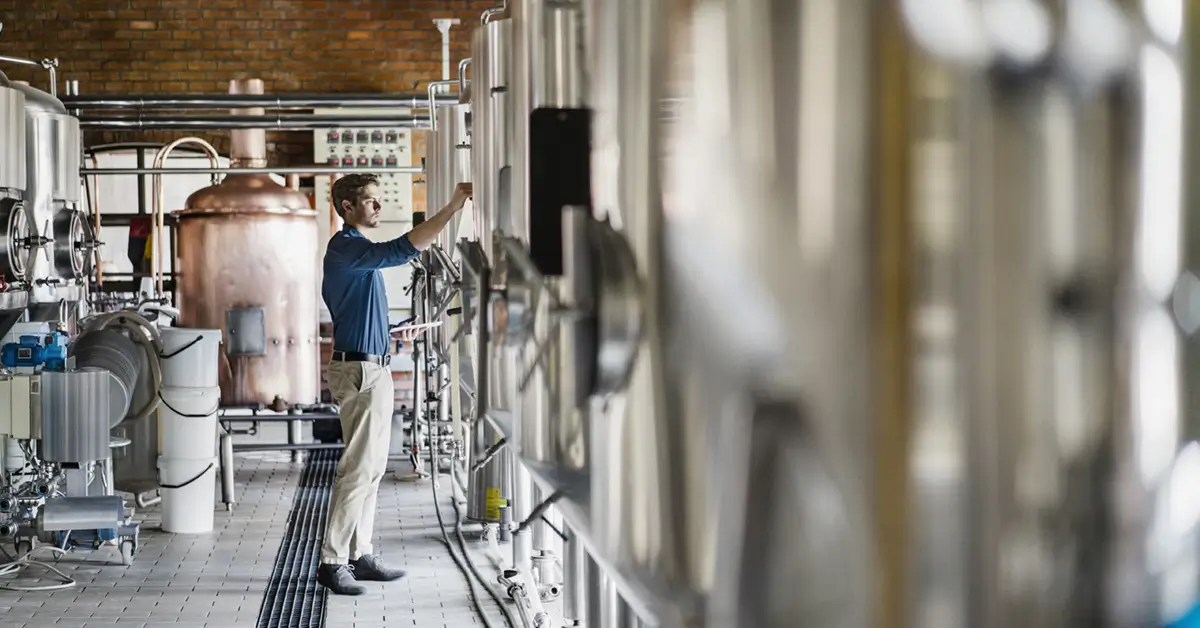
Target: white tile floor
pixel 218 579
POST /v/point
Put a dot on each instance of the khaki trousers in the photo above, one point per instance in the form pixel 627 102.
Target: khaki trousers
pixel 366 395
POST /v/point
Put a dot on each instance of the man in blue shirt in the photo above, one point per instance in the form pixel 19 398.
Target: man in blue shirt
pixel 360 379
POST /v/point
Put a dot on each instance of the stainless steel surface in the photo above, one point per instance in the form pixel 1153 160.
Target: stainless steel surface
pixel 115 352
pixel 12 137
pixel 135 468
pixel 488 487
pixel 99 512
pixel 450 166
pixel 275 101
pixel 483 170
pixel 14 252
pixel 277 122
pixel 53 144
pixel 75 415
pixel 313 170
pixel 575 579
pixel 274 230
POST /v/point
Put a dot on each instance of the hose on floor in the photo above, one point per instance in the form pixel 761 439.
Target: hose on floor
pixel 24 562
pixel 472 573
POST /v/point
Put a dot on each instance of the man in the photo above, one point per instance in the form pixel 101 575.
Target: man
pixel 359 377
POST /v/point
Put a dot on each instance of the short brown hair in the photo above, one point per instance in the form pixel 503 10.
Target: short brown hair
pixel 349 188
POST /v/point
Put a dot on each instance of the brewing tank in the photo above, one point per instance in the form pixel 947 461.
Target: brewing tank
pixel 13 221
pixel 12 137
pixel 52 149
pixel 452 165
pixel 248 266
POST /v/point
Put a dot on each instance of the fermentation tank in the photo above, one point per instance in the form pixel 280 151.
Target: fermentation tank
pixel 248 259
pixel 13 221
pixel 60 264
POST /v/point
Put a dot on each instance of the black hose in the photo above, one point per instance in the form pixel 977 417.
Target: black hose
pixel 462 543
pixel 472 573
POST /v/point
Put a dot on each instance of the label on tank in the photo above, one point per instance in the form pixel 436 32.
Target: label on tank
pixel 492 504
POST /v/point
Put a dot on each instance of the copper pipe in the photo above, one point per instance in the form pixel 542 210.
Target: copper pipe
pixel 158 215
pixel 248 147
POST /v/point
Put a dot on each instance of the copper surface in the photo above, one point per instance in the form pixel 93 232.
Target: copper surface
pixel 237 260
pixel 247 147
pixel 250 242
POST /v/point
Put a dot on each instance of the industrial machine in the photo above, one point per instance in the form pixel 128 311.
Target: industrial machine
pixel 779 310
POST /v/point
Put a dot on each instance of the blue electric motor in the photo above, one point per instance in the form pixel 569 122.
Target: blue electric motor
pixel 34 351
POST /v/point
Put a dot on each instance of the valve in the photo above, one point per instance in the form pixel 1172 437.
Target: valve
pixel 8 529
pixel 6 504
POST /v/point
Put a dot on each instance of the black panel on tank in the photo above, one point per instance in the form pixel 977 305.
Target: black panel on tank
pixel 559 175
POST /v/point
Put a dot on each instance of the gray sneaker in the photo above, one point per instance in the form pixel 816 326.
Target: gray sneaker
pixel 339 579
pixel 371 567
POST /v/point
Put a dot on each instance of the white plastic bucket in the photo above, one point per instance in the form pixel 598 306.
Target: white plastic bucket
pixel 190 508
pixel 187 426
pixel 190 357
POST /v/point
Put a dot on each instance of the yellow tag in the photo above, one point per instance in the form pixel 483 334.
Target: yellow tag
pixel 493 504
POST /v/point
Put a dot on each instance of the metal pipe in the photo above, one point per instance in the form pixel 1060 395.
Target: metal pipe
pixel 575 583
pixel 284 446
pixel 303 170
pixel 491 13
pixel 277 418
pixel 50 65
pixel 276 122
pixel 228 101
pixel 462 75
pixel 433 87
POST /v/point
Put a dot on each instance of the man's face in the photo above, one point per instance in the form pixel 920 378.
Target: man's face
pixel 365 212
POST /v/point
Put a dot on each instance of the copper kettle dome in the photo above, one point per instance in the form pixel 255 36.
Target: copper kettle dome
pixel 247 193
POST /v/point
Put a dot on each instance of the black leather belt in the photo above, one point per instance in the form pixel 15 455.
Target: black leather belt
pixel 354 356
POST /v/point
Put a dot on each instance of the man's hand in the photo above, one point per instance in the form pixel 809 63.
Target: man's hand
pixel 462 193
pixel 406 335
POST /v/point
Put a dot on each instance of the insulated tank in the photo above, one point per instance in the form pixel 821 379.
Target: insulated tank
pixel 248 258
pixel 52 148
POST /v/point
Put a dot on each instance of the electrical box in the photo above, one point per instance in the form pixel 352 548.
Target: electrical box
pixel 371 147
pixel 20 406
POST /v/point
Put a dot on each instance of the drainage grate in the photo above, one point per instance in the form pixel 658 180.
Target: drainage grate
pixel 293 597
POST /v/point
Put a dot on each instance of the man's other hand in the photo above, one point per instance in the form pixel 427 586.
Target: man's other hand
pixel 462 193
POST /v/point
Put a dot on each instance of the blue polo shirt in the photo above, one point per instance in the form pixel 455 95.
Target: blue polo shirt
pixel 353 288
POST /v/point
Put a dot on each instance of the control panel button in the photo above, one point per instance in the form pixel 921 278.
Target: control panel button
pixel 377 137
pixel 347 161
pixel 392 161
pixel 392 137
pixel 333 161
pixel 362 137
pixel 377 161
pixel 333 137
pixel 362 160
pixel 347 137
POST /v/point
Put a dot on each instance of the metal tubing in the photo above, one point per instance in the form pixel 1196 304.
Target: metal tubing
pixel 277 122
pixel 50 65
pixel 462 75
pixel 226 459
pixel 303 170
pixel 278 418
pixel 229 101
pixel 284 446
pixel 575 579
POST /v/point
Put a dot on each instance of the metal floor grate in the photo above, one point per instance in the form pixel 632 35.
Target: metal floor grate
pixel 293 597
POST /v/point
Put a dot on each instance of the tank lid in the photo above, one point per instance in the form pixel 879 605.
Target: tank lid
pixel 39 101
pixel 247 194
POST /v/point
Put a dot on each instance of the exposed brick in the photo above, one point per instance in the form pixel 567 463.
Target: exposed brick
pixel 197 46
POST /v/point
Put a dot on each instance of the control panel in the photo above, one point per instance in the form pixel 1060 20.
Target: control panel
pixel 368 148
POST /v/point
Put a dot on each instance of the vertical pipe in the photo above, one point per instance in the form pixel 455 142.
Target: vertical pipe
pixel 593 592
pixel 575 579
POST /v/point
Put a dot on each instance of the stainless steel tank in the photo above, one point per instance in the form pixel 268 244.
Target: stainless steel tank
pixel 14 221
pixel 75 415
pixel 451 165
pixel 59 267
pixel 264 297
pixel 12 137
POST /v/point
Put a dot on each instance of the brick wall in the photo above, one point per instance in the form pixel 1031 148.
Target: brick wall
pixel 197 46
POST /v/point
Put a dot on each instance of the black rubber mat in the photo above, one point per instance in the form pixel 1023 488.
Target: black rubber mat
pixel 293 597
